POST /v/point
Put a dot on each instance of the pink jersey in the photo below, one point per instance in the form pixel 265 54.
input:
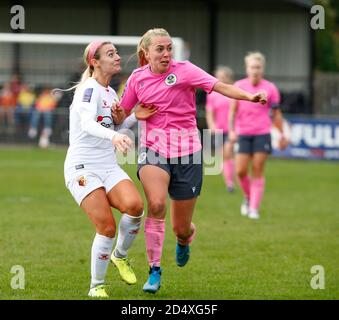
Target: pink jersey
pixel 219 105
pixel 172 131
pixel 254 118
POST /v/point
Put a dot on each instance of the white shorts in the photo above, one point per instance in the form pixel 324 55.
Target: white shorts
pixel 82 182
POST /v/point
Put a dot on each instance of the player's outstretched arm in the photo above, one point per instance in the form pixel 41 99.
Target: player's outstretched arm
pixel 234 92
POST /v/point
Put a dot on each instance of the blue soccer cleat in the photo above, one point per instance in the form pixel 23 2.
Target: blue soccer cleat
pixel 153 282
pixel 182 254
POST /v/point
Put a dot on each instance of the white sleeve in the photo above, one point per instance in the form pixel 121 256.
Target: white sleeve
pixel 90 126
pixel 87 109
pixel 129 122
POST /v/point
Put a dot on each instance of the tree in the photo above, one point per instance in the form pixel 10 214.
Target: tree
pixel 327 40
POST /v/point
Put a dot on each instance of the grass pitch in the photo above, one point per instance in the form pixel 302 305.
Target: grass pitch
pixel 43 230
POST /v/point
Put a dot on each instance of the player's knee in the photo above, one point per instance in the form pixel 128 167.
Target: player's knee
pixel 156 207
pixel 134 207
pixel 181 232
pixel 107 230
pixel 257 171
pixel 241 173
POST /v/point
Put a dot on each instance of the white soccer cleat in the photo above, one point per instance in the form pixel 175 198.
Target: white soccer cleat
pixel 244 209
pixel 253 214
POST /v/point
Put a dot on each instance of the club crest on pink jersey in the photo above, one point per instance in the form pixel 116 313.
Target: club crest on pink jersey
pixel 171 79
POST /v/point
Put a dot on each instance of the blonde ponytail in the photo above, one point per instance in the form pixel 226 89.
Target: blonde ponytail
pixel 85 75
pixel 87 72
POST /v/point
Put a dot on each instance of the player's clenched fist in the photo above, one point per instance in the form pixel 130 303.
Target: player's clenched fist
pixel 260 97
pixel 118 113
pixel 122 142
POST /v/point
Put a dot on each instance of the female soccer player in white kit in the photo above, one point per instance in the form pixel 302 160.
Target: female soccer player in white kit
pixel 92 174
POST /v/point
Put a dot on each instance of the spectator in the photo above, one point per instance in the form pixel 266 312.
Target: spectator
pixel 24 107
pixel 44 106
pixel 7 106
pixel 15 85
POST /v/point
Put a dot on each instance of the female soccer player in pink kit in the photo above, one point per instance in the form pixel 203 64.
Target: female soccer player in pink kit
pixel 170 149
pixel 217 109
pixel 252 130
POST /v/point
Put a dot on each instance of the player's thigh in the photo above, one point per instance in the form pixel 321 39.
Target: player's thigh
pixel 155 182
pixel 244 154
pixel 258 163
pixel 125 197
pixel 98 209
pixel 182 213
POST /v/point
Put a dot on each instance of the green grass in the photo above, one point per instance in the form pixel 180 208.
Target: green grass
pixel 43 230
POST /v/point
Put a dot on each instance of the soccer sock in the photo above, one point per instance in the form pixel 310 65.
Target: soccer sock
pixel 245 186
pixel 191 237
pixel 101 251
pixel 154 235
pixel 128 229
pixel 257 191
pixel 228 170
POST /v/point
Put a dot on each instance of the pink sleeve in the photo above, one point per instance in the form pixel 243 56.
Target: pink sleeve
pixel 275 97
pixel 129 97
pixel 199 78
pixel 209 102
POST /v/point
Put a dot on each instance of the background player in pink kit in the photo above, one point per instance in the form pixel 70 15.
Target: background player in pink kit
pixel 170 153
pixel 252 130
pixel 217 109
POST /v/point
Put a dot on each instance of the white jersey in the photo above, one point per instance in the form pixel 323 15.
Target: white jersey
pixel 91 128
